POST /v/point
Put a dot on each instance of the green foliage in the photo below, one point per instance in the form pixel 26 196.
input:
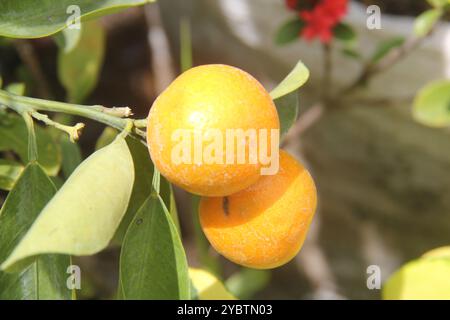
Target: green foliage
pixel 9 172
pixel 153 264
pixel 289 31
pixel 287 107
pixel 207 287
pixel 426 21
pixel 432 105
pixel 424 278
pixel 79 64
pixel 344 32
pixel 84 214
pixel 45 277
pixel 294 80
pixel 34 19
pixel 385 47
pixel 71 155
pixel 247 282
pixel 14 137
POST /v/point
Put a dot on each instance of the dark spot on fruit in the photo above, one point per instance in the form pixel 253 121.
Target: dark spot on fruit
pixel 225 205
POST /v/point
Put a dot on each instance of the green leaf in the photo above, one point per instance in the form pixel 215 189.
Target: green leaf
pixel 79 68
pixel 71 155
pixel 108 135
pixel 351 53
pixel 424 279
pixel 344 32
pixel 432 105
pixel 35 19
pixel 287 107
pixel 289 31
pixel 207 286
pixel 438 3
pixel 426 21
pixel 168 197
pixel 385 47
pixel 9 173
pixel 185 45
pixel 84 214
pixel 46 277
pixel 14 137
pixel 247 282
pixel 294 80
pixel 153 264
pixel 16 88
pixel 142 187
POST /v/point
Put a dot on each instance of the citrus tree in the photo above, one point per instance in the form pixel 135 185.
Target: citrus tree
pixel 60 205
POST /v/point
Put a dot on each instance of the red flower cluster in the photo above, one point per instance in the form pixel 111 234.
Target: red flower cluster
pixel 321 18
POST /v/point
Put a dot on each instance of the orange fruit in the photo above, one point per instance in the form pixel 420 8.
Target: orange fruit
pixel 209 100
pixel 265 225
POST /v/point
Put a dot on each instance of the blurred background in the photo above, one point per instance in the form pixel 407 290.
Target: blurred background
pixel 383 178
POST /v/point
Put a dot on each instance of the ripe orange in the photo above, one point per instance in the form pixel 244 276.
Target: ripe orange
pixel 217 97
pixel 265 225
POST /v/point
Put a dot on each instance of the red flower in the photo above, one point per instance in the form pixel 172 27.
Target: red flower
pixel 321 20
pixel 292 4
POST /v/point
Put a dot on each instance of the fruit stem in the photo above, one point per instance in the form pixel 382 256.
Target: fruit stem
pixel 113 117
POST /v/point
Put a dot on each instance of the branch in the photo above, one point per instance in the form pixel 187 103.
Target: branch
pixel 72 131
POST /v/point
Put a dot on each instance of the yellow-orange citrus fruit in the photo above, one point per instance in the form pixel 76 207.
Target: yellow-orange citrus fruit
pixel 217 97
pixel 265 225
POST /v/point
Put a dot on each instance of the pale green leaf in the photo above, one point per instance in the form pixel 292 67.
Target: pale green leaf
pixel 84 214
pixel 422 279
pixel 71 155
pixel 153 264
pixel 385 47
pixel 79 68
pixel 207 286
pixel 108 135
pixel 294 80
pixel 426 21
pixel 432 105
pixel 34 19
pixel 438 3
pixel 9 173
pixel 46 277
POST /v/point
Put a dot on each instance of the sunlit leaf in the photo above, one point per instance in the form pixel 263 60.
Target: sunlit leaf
pixel 432 105
pixel 34 19
pixel 426 21
pixel 152 262
pixel 207 286
pixel 294 80
pixel 84 214
pixel 9 173
pixel 424 279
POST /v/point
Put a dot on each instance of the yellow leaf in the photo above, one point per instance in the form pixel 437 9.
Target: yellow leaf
pixel 208 287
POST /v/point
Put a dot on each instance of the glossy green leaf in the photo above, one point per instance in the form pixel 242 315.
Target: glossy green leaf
pixel 289 31
pixel 426 21
pixel 79 68
pixel 424 279
pixel 14 137
pixel 344 32
pixel 153 264
pixel 432 105
pixel 34 19
pixel 287 107
pixel 142 187
pixel 71 155
pixel 46 277
pixel 385 47
pixel 84 214
pixel 9 173
pixel 247 282
pixel 207 286
pixel 294 80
